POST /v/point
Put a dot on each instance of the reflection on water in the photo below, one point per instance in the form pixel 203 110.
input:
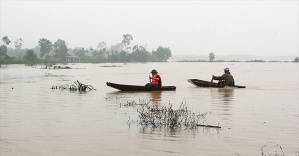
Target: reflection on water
pixel 227 94
pixel 156 98
pixel 176 131
pixel 153 97
pixel 223 99
pixel 164 130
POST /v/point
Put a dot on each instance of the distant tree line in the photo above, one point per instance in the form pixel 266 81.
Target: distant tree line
pixel 57 52
pixel 212 59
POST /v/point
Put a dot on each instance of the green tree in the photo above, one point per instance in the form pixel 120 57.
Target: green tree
pixel 118 47
pixel 80 52
pixel 296 59
pixel 99 55
pixel 102 45
pixel 60 49
pixel 3 49
pixel 18 46
pixel 3 53
pixel 30 57
pixel 19 43
pixel 127 38
pixel 162 54
pixel 211 57
pixel 140 54
pixel 114 57
pixel 45 46
pixel 6 40
pixel 124 56
pixel 113 52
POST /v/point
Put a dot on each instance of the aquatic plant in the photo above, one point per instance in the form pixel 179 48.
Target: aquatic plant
pixel 76 86
pixel 168 117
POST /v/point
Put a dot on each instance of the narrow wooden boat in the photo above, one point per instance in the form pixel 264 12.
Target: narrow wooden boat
pixel 202 83
pixel 123 87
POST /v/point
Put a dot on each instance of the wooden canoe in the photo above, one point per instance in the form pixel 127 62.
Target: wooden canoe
pixel 202 83
pixel 123 87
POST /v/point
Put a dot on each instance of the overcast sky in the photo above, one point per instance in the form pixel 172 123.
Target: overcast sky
pixel 186 27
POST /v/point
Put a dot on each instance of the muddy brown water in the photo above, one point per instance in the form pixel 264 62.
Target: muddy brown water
pixel 36 120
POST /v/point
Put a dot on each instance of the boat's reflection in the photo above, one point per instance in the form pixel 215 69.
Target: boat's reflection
pixel 156 98
pixel 223 101
pixel 222 94
pixel 226 94
pixel 152 97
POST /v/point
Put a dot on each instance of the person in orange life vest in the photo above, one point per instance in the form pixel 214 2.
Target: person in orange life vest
pixel 156 80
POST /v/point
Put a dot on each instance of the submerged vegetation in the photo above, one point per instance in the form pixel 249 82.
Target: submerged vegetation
pixel 76 86
pixel 168 117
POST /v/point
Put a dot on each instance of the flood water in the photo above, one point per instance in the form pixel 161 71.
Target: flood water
pixel 36 120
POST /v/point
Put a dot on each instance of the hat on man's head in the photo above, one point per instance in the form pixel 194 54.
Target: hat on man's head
pixel 226 69
pixel 154 71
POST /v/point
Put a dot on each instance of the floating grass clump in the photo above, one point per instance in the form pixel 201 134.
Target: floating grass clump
pixel 76 86
pixel 169 117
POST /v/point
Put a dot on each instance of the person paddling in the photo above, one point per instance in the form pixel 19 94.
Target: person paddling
pixel 225 80
pixel 155 79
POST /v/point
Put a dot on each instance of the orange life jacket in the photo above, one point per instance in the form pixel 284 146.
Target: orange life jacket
pixel 156 82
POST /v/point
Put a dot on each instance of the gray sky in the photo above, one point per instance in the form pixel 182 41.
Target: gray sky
pixel 187 27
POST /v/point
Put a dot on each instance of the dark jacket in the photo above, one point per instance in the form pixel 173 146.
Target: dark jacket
pixel 227 78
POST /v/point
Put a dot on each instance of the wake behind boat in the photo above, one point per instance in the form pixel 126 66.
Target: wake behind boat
pixel 123 87
pixel 202 83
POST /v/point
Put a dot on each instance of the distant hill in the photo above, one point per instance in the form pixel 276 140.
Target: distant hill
pixel 232 58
